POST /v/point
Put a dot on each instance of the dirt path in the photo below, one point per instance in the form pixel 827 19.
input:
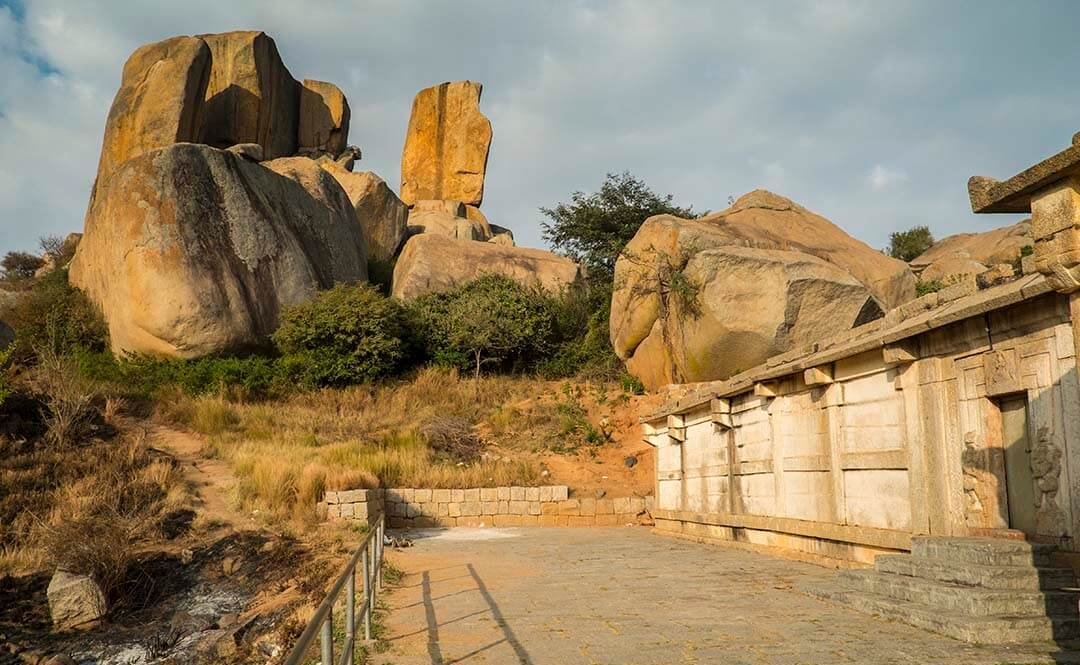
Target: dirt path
pixel 211 480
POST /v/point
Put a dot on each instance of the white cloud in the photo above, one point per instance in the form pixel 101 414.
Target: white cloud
pixel 701 99
pixel 882 178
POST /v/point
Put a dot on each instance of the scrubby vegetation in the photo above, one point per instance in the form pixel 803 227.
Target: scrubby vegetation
pixel 347 335
pixel 906 245
pixel 428 430
pixel 492 320
pixel 53 314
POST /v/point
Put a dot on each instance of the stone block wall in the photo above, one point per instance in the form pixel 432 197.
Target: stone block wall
pixel 489 506
pixel 362 505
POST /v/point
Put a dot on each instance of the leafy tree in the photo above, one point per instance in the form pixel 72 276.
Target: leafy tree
pixel 490 320
pixel 20 265
pixel 593 228
pixel 345 335
pixel 906 245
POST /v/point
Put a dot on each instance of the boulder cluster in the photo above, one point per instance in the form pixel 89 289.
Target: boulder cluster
pixel 972 254
pixel 225 193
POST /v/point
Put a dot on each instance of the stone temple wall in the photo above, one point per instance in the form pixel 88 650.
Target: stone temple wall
pixel 490 506
pixel 844 452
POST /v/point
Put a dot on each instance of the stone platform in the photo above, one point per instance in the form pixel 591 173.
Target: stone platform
pixel 979 590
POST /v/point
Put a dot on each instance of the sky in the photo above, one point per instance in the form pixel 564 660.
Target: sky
pixel 873 114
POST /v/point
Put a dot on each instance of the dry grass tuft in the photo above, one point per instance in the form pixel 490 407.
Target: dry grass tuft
pixel 67 394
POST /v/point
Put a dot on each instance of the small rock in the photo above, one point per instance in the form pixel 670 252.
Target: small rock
pixel 32 657
pixel 230 565
pixel 268 649
pixel 186 557
pixel 545 473
pixel 268 546
pixel 997 274
pixel 75 601
pixel 600 493
pixel 186 623
pixel 630 461
pixel 58 659
pixel 228 620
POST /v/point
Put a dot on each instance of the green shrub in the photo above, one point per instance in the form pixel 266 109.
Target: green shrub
pixel 930 286
pixel 1027 250
pixel 492 319
pixel 5 384
pixel 631 384
pixel 142 376
pixel 584 340
pixel 55 315
pixel 348 334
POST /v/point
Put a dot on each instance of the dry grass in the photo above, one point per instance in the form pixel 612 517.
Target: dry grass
pixel 68 396
pixel 85 508
pixel 416 433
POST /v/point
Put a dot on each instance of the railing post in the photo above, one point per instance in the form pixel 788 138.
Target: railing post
pixel 328 639
pixel 379 550
pixel 350 615
pixel 369 599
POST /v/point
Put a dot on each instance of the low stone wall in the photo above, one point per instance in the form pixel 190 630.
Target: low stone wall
pixel 490 506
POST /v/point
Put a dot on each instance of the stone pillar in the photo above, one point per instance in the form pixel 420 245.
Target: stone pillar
pixel 1055 224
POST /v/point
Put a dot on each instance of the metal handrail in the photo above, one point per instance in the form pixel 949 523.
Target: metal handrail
pixel 369 553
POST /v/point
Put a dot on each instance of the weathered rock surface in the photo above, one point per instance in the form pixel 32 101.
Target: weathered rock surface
pixel 324 118
pixel 455 208
pixel 753 304
pixel 382 216
pixel 952 267
pixel 501 236
pixel 190 250
pixel 429 263
pixel 759 292
pixel 446 146
pixel 251 97
pixel 160 97
pixel 1001 245
pixel 764 219
pixel 447 224
pixel 75 601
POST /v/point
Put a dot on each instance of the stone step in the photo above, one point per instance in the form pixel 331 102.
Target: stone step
pixel 983 551
pixel 975 630
pixel 966 600
pixel 1022 578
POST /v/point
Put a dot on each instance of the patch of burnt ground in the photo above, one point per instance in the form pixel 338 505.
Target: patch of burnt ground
pixel 231 600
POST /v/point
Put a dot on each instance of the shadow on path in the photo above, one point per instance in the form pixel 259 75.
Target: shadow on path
pixel 435 650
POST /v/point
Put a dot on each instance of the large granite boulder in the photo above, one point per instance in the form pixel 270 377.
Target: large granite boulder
pixel 161 93
pixel 750 304
pixel 959 254
pixel 251 96
pixel 432 262
pixel 324 118
pixel 190 250
pixel 764 219
pixel 446 145
pixel 382 216
pixel 764 249
pixel 75 601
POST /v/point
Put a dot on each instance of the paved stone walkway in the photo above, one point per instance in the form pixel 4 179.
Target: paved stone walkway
pixel 625 596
